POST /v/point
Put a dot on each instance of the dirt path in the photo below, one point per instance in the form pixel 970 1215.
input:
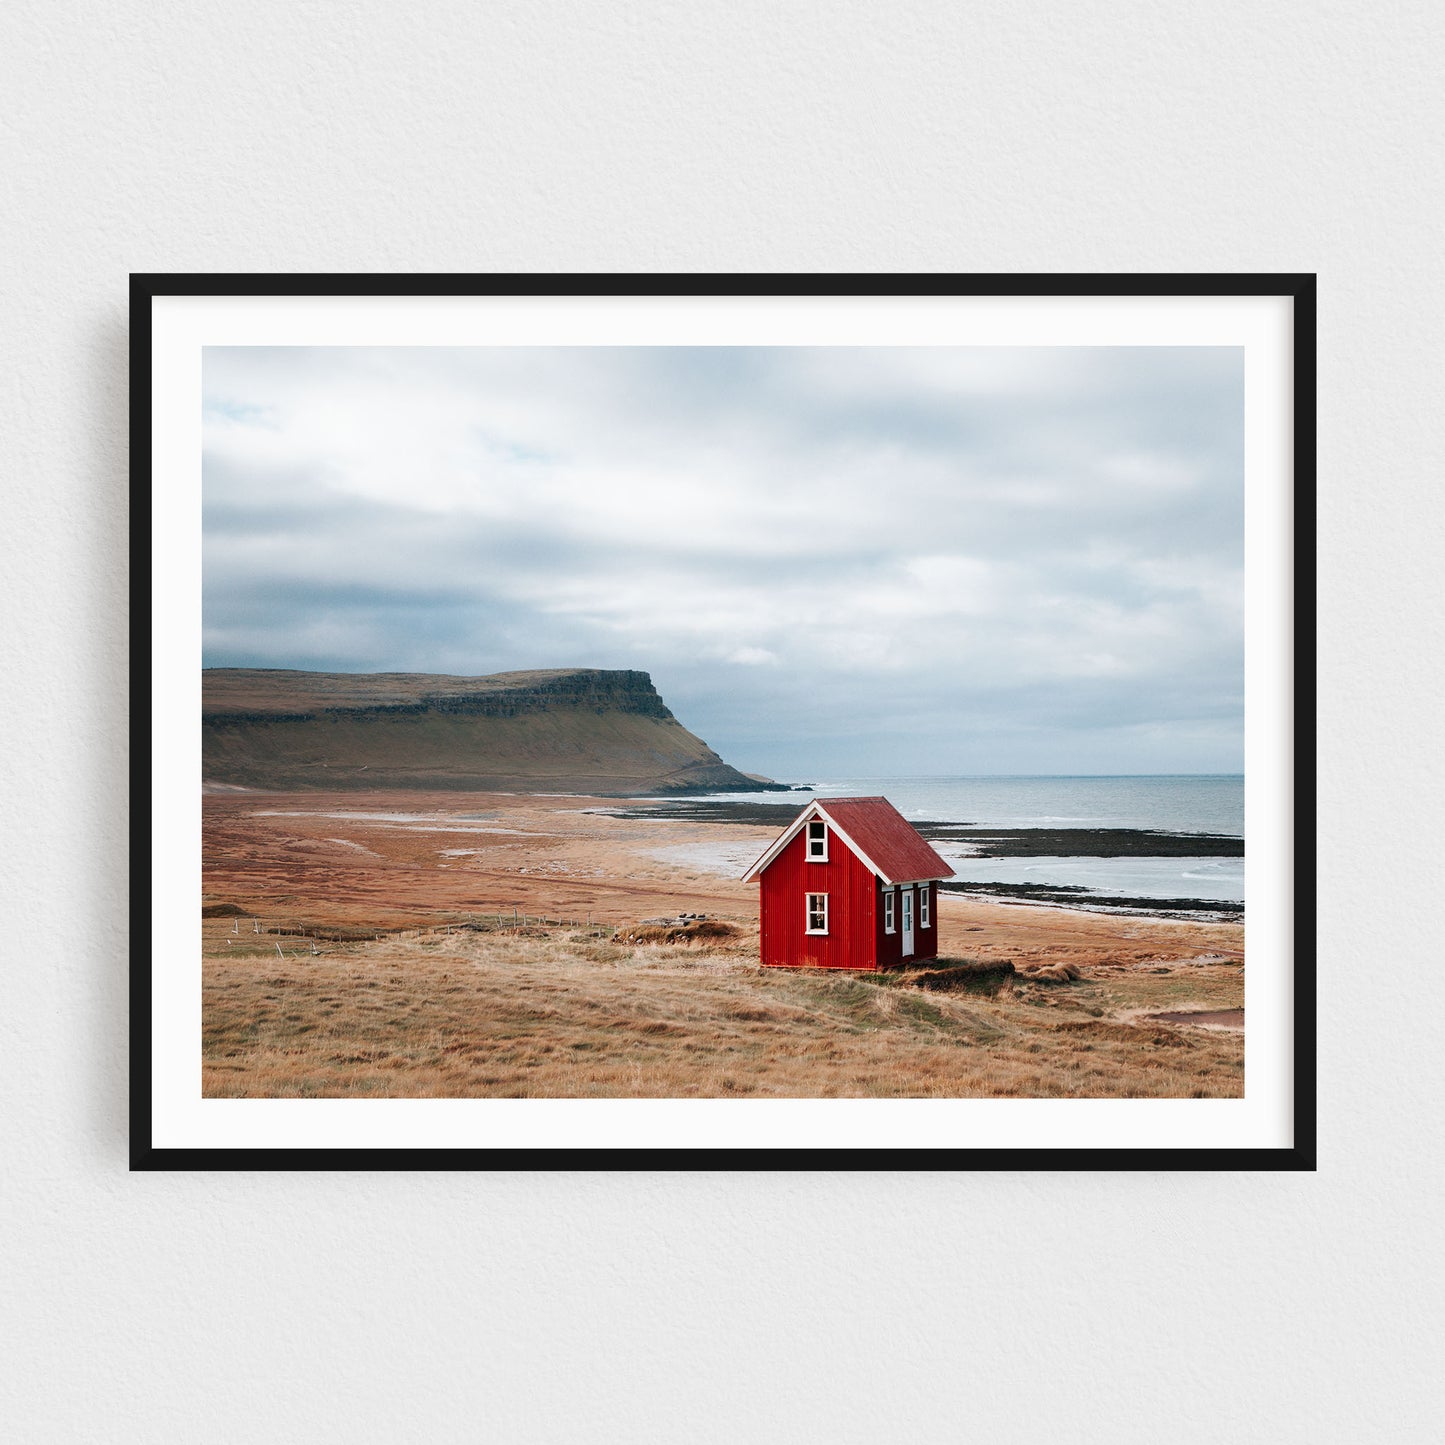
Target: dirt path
pixel 1221 1018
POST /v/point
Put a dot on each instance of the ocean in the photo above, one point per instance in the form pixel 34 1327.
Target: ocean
pixel 1176 803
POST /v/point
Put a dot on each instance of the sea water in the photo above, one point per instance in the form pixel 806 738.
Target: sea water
pixel 1176 803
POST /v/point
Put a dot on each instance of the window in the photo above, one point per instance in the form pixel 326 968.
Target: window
pixel 924 893
pixel 817 913
pixel 817 842
pixel 890 899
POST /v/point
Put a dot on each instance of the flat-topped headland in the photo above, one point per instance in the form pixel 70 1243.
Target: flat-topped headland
pixel 606 732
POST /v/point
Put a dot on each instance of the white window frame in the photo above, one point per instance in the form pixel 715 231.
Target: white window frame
pixel 808 911
pixel 811 856
pixel 890 910
pixel 925 917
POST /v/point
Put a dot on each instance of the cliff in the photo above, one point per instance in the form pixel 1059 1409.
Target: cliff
pixel 581 730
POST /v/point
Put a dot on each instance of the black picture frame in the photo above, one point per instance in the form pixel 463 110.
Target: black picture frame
pixel 1299 289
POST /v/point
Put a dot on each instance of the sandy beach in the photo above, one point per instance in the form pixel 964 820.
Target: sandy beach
pixel 443 912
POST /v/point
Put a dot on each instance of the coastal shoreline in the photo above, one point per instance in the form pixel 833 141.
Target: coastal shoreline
pixel 986 842
pixel 434 853
pixel 1084 900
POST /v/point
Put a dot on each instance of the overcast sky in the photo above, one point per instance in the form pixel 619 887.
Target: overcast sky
pixel 834 562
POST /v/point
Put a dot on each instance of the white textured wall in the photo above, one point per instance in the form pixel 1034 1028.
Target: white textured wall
pixel 750 135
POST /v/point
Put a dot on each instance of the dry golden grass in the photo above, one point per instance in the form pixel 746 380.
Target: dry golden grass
pixel 557 1012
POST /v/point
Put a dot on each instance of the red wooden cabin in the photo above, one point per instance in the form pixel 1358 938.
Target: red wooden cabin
pixel 849 884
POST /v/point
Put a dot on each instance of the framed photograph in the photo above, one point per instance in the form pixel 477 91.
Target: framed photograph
pixel 729 721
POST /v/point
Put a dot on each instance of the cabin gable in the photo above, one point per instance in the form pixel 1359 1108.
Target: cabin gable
pixel 841 878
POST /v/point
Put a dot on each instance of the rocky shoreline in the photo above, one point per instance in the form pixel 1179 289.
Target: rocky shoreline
pixel 1066 895
pixel 986 842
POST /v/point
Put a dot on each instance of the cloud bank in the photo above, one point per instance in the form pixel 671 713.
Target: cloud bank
pixel 833 561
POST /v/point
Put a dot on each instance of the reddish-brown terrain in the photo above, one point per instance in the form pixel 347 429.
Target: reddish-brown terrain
pixel 414 943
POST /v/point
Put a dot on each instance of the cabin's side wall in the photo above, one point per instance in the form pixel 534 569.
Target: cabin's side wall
pixel 925 940
pixel 889 945
pixel 852 922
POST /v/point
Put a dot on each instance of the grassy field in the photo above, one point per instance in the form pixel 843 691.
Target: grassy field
pixel 572 1012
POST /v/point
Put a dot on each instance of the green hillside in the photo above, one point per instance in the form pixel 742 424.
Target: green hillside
pixel 576 730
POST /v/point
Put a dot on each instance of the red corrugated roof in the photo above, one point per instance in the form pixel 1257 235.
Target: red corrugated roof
pixel 887 839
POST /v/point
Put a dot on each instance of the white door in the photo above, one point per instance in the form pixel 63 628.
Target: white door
pixel 908 923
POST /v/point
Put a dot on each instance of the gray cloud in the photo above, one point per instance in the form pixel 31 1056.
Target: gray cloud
pixel 869 560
